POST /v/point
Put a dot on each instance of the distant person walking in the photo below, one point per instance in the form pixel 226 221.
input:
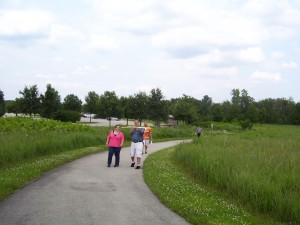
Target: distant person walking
pixel 147 137
pixel 136 148
pixel 114 141
pixel 199 131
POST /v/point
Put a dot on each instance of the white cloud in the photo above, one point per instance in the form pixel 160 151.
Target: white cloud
pixel 277 54
pixel 25 23
pixel 50 76
pixel 187 46
pixel 59 32
pixel 290 65
pixel 15 2
pixel 260 76
pixel 222 33
pixel 58 60
pixel 101 42
pixel 88 70
pixel 252 55
pixel 121 7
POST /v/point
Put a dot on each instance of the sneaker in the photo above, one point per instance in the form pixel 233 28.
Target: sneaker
pixel 108 165
pixel 132 164
pixel 146 153
pixel 116 165
pixel 137 167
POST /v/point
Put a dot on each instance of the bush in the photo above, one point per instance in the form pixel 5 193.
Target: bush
pixel 246 124
pixel 67 116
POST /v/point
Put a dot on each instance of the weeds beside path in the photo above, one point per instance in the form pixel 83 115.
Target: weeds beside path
pixel 195 203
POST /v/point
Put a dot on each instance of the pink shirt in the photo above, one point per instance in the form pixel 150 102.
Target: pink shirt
pixel 115 140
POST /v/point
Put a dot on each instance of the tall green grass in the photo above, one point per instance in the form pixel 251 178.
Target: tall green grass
pixel 23 138
pixel 18 146
pixel 30 147
pixel 261 167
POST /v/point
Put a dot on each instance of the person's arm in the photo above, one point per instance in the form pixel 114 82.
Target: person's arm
pixel 131 131
pixel 141 131
pixel 107 139
pixel 122 140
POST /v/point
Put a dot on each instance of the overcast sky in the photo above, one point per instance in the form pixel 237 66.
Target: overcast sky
pixel 191 47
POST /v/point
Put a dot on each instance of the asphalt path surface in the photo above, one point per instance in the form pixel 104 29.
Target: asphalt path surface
pixel 86 191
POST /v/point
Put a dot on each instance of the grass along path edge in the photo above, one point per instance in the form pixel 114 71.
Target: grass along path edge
pixel 192 201
pixel 19 175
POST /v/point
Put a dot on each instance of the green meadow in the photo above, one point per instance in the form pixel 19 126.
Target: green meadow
pixel 227 176
pixel 31 147
pixel 258 169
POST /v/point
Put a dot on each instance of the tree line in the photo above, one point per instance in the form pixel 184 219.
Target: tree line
pixel 152 106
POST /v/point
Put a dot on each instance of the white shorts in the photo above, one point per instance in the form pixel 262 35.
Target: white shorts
pixel 136 149
pixel 146 142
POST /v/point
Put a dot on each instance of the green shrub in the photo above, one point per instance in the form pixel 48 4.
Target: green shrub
pixel 246 124
pixel 67 116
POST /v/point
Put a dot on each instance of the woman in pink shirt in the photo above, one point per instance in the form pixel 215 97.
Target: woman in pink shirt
pixel 114 141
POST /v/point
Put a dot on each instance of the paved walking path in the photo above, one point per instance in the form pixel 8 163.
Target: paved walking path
pixel 85 191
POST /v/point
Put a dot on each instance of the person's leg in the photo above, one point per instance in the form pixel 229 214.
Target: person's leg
pixel 146 146
pixel 139 151
pixel 132 153
pixel 138 160
pixel 146 143
pixel 117 155
pixel 110 155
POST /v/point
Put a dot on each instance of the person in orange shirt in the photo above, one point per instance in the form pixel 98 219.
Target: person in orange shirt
pixel 147 137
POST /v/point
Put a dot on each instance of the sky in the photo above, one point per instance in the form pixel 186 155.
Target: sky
pixel 182 47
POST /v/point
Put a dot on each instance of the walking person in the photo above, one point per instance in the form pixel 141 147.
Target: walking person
pixel 147 137
pixel 199 131
pixel 136 148
pixel 114 141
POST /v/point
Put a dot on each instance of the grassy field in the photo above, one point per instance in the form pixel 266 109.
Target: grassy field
pixel 234 174
pixel 259 168
pixel 196 202
pixel 31 147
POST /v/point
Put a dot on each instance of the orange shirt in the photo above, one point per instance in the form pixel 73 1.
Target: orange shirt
pixel 147 133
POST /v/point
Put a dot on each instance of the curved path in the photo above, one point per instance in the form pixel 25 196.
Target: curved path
pixel 85 191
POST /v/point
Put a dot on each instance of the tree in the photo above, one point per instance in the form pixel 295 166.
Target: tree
pixel 204 106
pixel 245 102
pixel 185 109
pixel 295 117
pixel 252 113
pixel 261 115
pixel 235 103
pixel 72 102
pixel 108 105
pixel 2 104
pixel 226 108
pixel 217 113
pixel 285 108
pixel 50 102
pixel 240 103
pixel 138 106
pixel 125 107
pixel 11 107
pixel 91 103
pixel 157 107
pixel 30 100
